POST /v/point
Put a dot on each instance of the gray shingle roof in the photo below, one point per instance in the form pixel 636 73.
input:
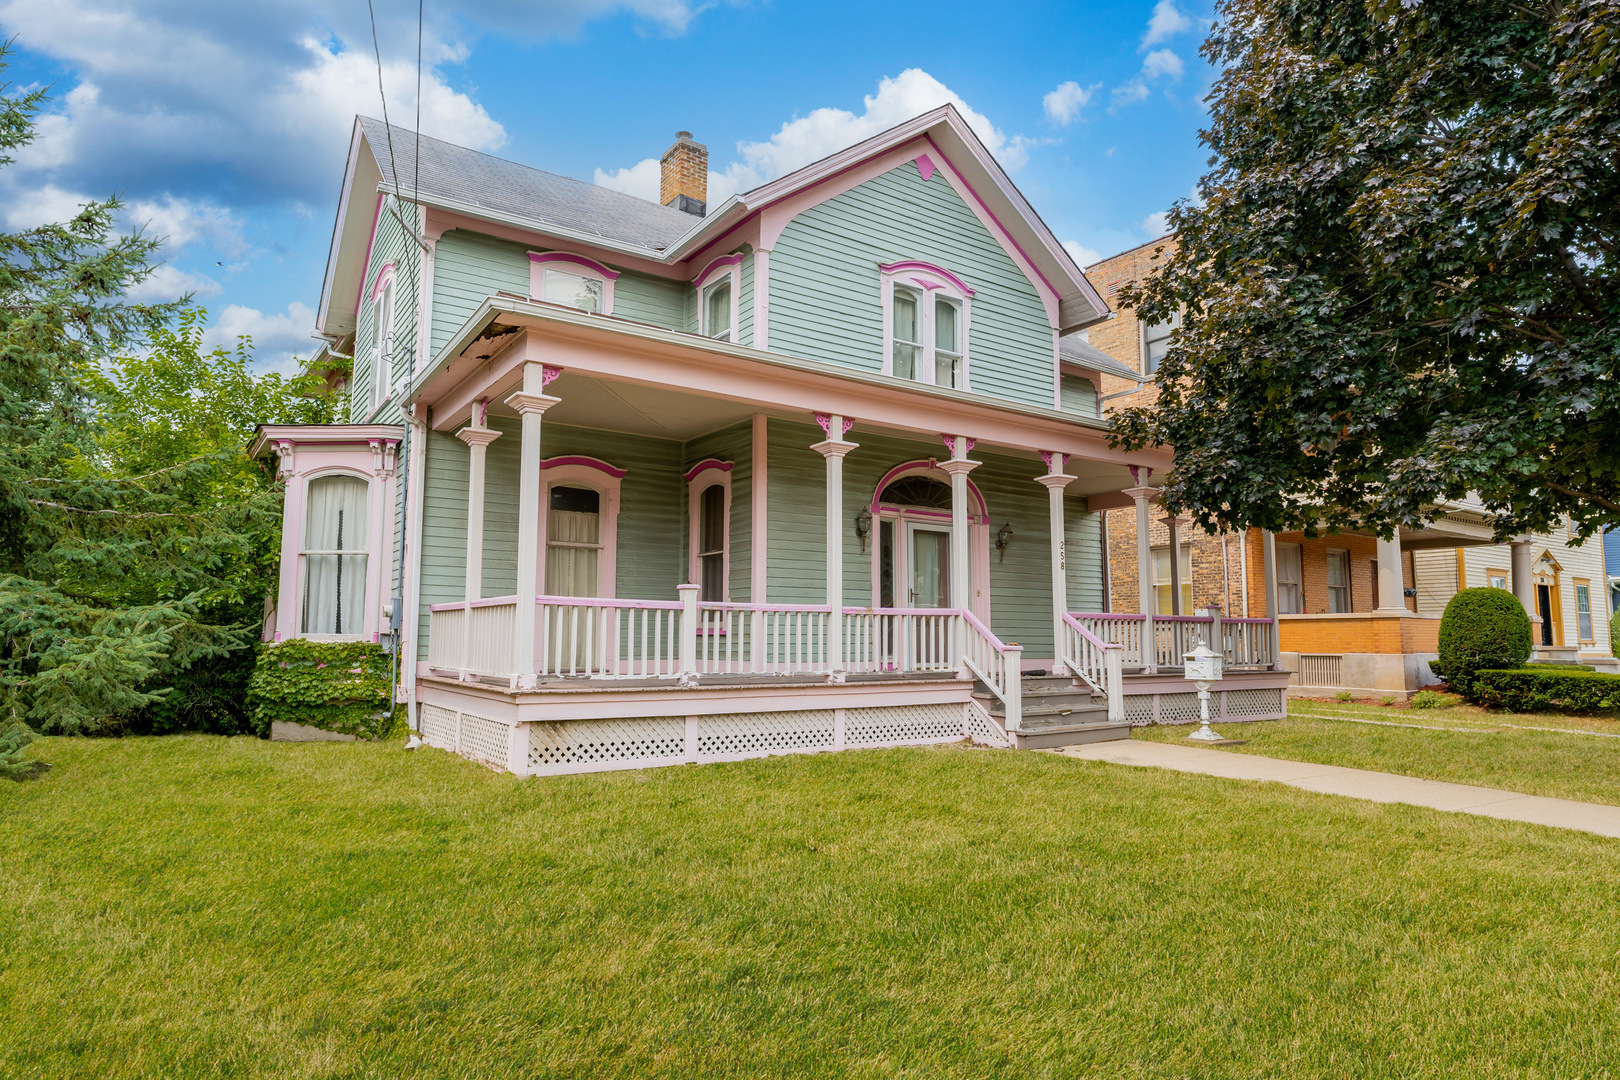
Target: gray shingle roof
pixel 1071 348
pixel 473 179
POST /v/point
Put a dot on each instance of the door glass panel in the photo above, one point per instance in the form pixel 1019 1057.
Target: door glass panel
pixel 930 568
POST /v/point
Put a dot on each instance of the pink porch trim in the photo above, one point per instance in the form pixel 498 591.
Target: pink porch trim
pixel 707 463
pixel 588 462
pixel 544 257
pixel 926 268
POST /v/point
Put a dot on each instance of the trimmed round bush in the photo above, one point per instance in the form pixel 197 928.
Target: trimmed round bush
pixel 1482 629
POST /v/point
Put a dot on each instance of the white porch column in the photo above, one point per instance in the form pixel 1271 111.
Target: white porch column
pixel 289 613
pixel 1268 559
pixel 477 436
pixel 1147 652
pixel 531 403
pixel 1174 524
pixel 1391 581
pixel 1055 481
pixel 1524 587
pixel 958 468
pixel 833 448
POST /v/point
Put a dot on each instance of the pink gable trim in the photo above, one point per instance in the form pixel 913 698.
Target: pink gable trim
pixel 925 167
pixel 384 276
pixel 929 466
pixel 724 260
pixel 365 271
pixel 588 462
pixel 992 214
pixel 577 260
pixel 708 463
pixel 927 268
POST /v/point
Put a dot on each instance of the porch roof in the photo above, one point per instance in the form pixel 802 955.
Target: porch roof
pixel 679 385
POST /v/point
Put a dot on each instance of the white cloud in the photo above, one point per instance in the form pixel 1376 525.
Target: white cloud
pixel 1129 93
pixel 1082 255
pixel 179 222
pixel 1063 105
pixel 276 338
pixel 1162 63
pixel 166 283
pixel 827 130
pixel 1165 23
pixel 1157 223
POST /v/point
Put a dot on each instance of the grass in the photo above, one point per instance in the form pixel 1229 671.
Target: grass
pixel 1462 744
pixel 198 906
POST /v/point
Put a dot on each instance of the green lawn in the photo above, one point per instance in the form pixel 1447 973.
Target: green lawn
pixel 196 906
pixel 1473 747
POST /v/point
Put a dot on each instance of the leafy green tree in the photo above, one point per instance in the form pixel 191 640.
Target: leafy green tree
pixel 1400 282
pixel 135 538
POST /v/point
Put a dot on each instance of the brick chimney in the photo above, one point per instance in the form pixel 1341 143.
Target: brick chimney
pixel 683 178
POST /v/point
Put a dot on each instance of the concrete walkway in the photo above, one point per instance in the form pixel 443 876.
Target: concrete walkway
pixel 1358 784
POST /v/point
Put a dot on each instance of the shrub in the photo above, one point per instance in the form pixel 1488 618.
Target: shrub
pixel 1432 699
pixel 1484 628
pixel 333 685
pixel 1538 690
pixel 1342 695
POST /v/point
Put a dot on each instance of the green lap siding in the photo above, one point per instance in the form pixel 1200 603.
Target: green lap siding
pixel 825 294
pixel 389 245
pixel 470 267
pixel 1084 556
pixel 1079 395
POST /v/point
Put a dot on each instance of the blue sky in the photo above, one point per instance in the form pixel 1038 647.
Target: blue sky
pixel 224 125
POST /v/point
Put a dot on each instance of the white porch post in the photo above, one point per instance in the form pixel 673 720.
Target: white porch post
pixel 1391 582
pixel 1268 559
pixel 961 587
pixel 1174 524
pixel 1519 551
pixel 531 403
pixel 477 436
pixel 833 448
pixel 1147 652
pixel 289 613
pixel 1055 481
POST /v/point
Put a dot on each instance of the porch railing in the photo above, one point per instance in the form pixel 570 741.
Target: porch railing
pixel 1244 643
pixel 899 639
pixel 475 638
pixel 1098 663
pixel 761 639
pixel 999 666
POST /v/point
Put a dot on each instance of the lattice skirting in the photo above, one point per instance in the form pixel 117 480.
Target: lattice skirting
pixel 574 746
pixel 1224 706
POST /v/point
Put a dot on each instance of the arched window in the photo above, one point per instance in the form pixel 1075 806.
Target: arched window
pixel 574 546
pixel 926 311
pixel 334 555
pixel 709 509
pixel 382 337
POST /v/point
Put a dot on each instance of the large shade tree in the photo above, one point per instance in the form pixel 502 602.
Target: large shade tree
pixel 1399 284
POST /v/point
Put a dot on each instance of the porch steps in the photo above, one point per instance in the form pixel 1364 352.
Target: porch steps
pixel 1057 711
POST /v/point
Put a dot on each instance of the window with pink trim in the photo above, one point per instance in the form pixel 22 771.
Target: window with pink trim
pixel 925 325
pixel 382 337
pixel 709 508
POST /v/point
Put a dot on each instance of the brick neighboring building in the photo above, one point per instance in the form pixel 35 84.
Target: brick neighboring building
pixel 1335 629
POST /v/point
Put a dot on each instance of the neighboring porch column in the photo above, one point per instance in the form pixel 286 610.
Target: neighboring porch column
pixel 1147 652
pixel 531 403
pixel 1174 524
pixel 833 448
pixel 1055 481
pixel 477 436
pixel 1391 580
pixel 958 468
pixel 1524 587
pixel 1268 560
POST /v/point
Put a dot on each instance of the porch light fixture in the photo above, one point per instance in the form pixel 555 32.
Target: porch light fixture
pixel 1004 537
pixel 863 526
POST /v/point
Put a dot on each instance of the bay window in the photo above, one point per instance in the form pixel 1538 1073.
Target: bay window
pixel 334 556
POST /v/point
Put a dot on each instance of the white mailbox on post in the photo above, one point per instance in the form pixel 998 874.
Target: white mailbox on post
pixel 1203 667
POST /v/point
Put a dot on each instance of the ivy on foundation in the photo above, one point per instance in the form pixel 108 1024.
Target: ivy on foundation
pixel 339 686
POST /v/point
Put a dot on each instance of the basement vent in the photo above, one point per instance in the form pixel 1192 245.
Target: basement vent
pixel 1320 670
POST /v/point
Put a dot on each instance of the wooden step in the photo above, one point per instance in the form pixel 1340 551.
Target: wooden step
pixel 1070 735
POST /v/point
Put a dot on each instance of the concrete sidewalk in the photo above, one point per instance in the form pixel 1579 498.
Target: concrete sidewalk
pixel 1358 784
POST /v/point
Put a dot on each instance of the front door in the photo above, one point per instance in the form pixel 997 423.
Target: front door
pixel 930 566
pixel 1544 609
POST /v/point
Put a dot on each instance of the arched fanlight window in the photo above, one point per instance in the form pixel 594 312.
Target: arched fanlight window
pixel 920 491
pixel 335 556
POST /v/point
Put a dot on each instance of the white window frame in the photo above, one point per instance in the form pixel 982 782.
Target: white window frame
pixel 304 552
pixel 929 284
pixel 1494 576
pixel 1298 585
pixel 702 477
pixel 1342 555
pixel 1149 368
pixel 1165 582
pixel 726 270
pixel 582 472
pixel 574 264
pixel 1586 635
pixel 382 336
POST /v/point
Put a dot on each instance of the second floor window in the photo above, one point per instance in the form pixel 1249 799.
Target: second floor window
pixel 572 290
pixel 907 335
pixel 947 343
pixel 717 311
pixel 382 349
pixel 925 324
pixel 1156 342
